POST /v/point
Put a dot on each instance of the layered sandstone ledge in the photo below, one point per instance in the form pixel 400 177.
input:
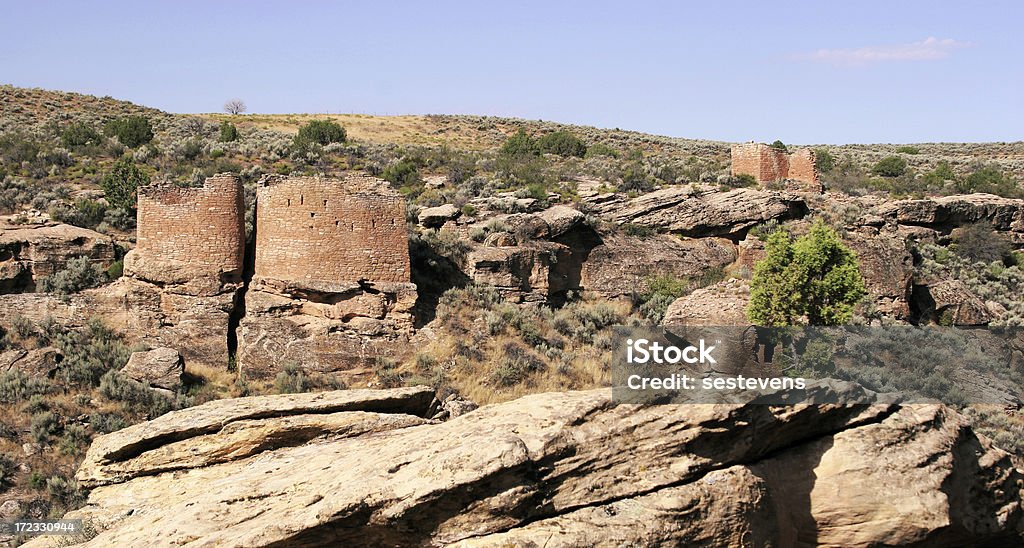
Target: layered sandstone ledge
pixel 559 469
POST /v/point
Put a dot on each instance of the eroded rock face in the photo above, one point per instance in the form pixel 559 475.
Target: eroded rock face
pixel 951 211
pixel 561 469
pixel 30 253
pixel 621 265
pixel 887 267
pixel 700 211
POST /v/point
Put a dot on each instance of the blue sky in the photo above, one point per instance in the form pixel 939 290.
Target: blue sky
pixel 803 72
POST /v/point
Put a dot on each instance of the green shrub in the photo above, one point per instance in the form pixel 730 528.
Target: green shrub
pixel 122 182
pixel 78 274
pixel 291 380
pixel 115 270
pixel 44 426
pixel 823 160
pixel 105 423
pixel 86 213
pixel 8 471
pixel 516 363
pixel 121 219
pixel 601 149
pixel 908 150
pixel 562 143
pixel 403 173
pixel 745 180
pixel 779 145
pixel 635 179
pixel 131 131
pixel 80 134
pixel 661 292
pixel 228 132
pixel 190 150
pixel 17 386
pixel 582 321
pixel 74 439
pixel 990 179
pixel 890 166
pixel 91 352
pixel 65 492
pixel 816 278
pixel 637 231
pixel 321 132
pixel 520 143
pixel 117 386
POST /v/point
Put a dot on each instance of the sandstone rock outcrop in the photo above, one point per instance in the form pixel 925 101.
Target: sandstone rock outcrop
pixel 561 469
pixel 30 253
pixel 40 362
pixel 157 368
pixel 702 211
pixel 434 217
pixel 621 265
pixel 951 211
pixel 887 268
pixel 721 304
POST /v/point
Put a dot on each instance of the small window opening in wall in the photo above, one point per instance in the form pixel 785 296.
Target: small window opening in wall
pixel 373 223
pixel 325 203
pixel 289 202
pixel 302 199
pixel 337 223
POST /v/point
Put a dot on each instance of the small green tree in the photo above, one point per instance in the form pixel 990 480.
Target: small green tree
pixel 122 182
pixel 520 143
pixel 562 143
pixel 779 145
pixel 80 134
pixel 321 132
pixel 132 131
pixel 228 132
pixel 890 166
pixel 816 278
pixel 823 160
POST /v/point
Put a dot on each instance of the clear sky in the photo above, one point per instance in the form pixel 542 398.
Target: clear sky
pixel 803 72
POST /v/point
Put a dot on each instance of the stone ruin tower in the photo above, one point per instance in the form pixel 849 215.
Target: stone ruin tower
pixel 185 274
pixel 331 287
pixel 190 234
pixel 767 165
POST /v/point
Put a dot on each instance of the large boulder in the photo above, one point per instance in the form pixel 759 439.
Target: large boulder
pixel 559 469
pixel 30 253
pixel 434 217
pixel 39 362
pixel 157 368
pixel 561 219
pixel 700 211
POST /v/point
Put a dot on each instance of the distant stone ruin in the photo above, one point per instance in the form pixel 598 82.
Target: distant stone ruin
pixel 768 165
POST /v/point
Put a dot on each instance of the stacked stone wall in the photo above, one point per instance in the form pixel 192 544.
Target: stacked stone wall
pixel 767 165
pixel 201 227
pixel 327 232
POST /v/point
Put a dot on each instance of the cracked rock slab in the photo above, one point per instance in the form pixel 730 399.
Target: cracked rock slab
pixel 558 469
